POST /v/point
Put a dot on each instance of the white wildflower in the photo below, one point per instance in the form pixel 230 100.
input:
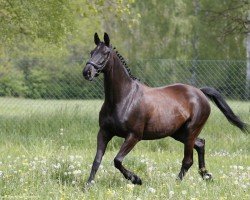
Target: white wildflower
pixel 150 169
pixel 184 192
pixel 57 166
pixel 171 193
pixel 71 167
pixel 244 186
pixel 152 190
pixel 71 158
pixel 43 161
pixel 44 172
pixel 76 172
pixel 130 186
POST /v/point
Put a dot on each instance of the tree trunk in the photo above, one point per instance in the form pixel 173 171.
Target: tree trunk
pixel 195 44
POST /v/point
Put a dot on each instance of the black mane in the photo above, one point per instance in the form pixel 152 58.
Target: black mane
pixel 123 61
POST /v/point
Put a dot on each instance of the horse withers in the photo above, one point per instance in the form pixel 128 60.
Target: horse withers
pixel 136 112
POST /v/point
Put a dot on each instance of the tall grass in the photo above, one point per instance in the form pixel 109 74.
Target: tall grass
pixel 47 148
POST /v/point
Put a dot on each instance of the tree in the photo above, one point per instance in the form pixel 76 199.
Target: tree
pixel 50 20
pixel 234 19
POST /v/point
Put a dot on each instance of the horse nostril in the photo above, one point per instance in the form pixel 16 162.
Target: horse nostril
pixel 89 73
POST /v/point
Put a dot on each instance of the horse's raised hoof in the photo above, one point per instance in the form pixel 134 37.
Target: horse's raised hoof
pixel 133 178
pixel 136 180
pixel 207 177
pixel 179 179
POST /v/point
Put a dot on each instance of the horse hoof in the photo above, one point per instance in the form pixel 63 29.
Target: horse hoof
pixel 88 185
pixel 136 180
pixel 207 177
pixel 178 179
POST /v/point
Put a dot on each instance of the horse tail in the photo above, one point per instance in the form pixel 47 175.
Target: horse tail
pixel 216 97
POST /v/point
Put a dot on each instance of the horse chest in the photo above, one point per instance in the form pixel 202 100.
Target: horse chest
pixel 114 123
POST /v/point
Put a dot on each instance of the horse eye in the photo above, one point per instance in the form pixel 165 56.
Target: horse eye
pixel 106 53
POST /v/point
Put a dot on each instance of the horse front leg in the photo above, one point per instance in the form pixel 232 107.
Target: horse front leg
pixel 126 147
pixel 102 140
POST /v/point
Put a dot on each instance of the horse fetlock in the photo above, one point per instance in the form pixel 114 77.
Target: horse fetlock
pixel 187 164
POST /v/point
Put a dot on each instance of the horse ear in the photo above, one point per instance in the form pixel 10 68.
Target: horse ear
pixel 106 39
pixel 96 39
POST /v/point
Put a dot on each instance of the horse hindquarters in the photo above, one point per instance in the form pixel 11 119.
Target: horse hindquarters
pixel 188 135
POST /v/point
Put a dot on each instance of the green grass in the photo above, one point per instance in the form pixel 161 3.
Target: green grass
pixel 47 148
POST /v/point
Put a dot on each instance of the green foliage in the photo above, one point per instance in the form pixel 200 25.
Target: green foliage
pixel 11 81
pixel 181 30
pixel 47 42
pixel 50 20
pixel 48 78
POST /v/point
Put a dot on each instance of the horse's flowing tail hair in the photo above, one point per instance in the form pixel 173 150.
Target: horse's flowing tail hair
pixel 216 97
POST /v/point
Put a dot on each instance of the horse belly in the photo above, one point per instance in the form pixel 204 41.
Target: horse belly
pixel 162 125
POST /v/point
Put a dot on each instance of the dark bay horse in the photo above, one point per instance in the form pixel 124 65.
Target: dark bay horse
pixel 134 111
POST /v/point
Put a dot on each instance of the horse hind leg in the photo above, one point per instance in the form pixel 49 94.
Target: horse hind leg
pixel 187 161
pixel 183 135
pixel 200 148
pixel 187 135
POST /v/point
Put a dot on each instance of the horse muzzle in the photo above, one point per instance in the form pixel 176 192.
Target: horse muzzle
pixel 89 72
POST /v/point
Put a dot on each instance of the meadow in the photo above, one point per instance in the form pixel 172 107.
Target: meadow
pixel 47 148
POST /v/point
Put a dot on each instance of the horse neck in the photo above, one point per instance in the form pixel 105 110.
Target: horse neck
pixel 117 82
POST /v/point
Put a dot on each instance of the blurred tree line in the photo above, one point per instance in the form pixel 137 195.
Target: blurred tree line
pixel 44 44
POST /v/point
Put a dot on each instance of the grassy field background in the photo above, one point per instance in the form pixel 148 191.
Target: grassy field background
pixel 47 149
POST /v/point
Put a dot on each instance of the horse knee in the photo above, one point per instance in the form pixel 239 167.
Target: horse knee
pixel 199 145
